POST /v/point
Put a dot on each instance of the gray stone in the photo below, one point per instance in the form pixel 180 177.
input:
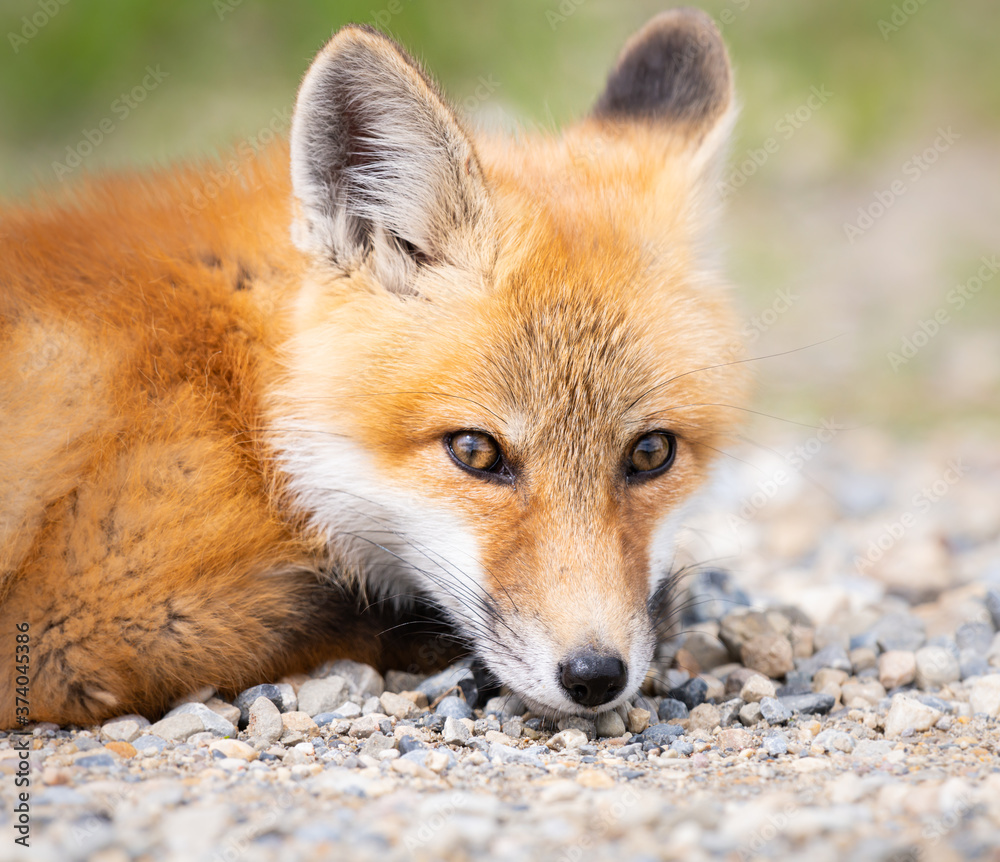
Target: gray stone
pixel 692 693
pixel 178 727
pixel 454 707
pixel 212 721
pixel 833 656
pixel 818 704
pixel 377 743
pixel 900 631
pixel 976 637
pixel 773 711
pixel 775 743
pixel 153 742
pixel 362 728
pixel 289 700
pixel 659 735
pixel 992 602
pixel 870 749
pixel 609 724
pixel 682 747
pixel 671 708
pixel 97 759
pixel 500 753
pixel 505 706
pixel 750 714
pixel 323 695
pixel 362 679
pixel 711 595
pixel 440 683
pixel 398 681
pixel 455 732
pixel 125 728
pixel 371 705
pixel 834 740
pixel 245 698
pixel 936 666
pixel 830 635
pixel 972 664
pixel 729 712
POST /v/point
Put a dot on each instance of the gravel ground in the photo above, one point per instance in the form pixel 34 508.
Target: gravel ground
pixel 834 694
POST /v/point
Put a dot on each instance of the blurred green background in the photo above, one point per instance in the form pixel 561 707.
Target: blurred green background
pixel 897 77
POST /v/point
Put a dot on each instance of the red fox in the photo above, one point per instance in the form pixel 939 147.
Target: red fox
pixel 392 365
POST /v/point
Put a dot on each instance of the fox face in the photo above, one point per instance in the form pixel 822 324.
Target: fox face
pixel 507 368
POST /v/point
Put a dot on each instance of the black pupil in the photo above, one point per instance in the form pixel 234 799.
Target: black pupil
pixel 650 452
pixel 479 451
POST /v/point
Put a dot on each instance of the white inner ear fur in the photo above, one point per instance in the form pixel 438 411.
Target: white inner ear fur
pixel 382 173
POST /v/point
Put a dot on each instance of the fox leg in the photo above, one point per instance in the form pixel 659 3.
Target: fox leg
pixel 91 659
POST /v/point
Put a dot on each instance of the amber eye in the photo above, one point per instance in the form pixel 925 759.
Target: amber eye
pixel 653 452
pixel 475 450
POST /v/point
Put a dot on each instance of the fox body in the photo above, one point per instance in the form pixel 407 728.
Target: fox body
pixel 418 370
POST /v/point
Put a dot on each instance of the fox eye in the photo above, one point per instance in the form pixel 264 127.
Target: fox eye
pixel 652 453
pixel 476 450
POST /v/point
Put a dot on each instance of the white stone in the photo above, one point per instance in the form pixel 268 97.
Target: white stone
pixel 567 739
pixel 908 712
pixel 265 725
pixel 936 666
pixel 125 728
pixel 984 695
pixel 455 732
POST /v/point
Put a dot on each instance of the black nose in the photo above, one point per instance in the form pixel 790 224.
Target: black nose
pixel 591 678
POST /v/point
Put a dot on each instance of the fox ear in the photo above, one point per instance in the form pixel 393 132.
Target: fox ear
pixel 382 172
pixel 674 72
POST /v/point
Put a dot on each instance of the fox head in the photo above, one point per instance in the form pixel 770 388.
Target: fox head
pixel 507 369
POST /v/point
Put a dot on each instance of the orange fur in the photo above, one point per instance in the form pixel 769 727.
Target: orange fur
pixel 152 352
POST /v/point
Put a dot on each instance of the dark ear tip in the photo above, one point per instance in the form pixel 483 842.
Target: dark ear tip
pixel 674 69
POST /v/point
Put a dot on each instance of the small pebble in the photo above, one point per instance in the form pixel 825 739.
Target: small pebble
pixel 454 707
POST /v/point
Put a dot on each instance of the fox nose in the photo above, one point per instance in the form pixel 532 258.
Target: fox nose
pixel 591 678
